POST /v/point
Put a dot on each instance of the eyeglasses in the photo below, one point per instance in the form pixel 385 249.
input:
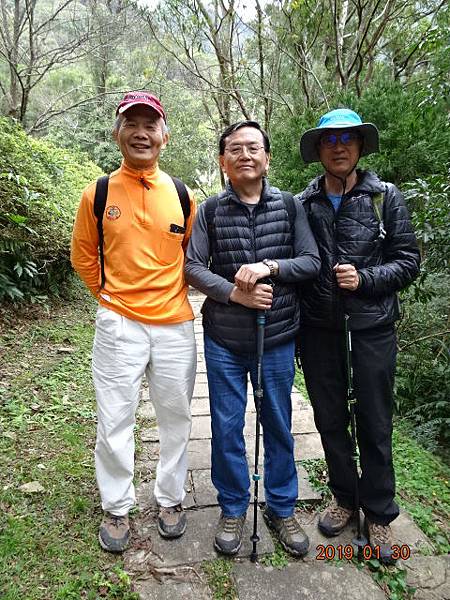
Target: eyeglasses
pixel 329 140
pixel 237 149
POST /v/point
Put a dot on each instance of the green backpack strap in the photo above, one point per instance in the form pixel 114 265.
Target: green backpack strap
pixel 377 203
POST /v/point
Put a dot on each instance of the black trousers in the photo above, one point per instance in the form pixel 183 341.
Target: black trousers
pixel 324 365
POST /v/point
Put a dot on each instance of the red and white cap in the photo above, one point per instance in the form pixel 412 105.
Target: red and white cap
pixel 141 97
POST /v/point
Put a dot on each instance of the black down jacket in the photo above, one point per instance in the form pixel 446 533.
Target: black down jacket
pixel 352 235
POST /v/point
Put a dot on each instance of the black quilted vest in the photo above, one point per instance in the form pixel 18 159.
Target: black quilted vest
pixel 240 236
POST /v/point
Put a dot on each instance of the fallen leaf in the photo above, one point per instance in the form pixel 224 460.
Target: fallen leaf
pixel 32 487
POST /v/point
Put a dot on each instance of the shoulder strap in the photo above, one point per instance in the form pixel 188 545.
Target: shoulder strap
pixel 210 211
pixel 377 203
pixel 183 196
pixel 289 202
pixel 101 193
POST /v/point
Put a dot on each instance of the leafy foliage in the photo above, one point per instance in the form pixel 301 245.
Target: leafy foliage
pixel 414 135
pixel 423 373
pixel 40 186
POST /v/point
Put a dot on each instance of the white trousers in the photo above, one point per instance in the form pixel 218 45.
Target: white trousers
pixel 123 350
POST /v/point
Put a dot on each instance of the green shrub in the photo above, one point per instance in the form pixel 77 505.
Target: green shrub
pixel 414 135
pixel 40 186
pixel 423 369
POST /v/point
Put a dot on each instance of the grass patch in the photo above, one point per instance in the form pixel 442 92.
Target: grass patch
pixel 220 581
pixel 423 487
pixel 318 478
pixel 279 559
pixel 48 539
pixel 299 382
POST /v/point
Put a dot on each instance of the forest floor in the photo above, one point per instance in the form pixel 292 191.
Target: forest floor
pixel 50 511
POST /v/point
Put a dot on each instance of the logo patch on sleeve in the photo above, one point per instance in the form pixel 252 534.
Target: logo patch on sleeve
pixel 113 213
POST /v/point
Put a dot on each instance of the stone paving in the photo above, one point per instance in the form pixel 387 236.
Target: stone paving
pixel 169 569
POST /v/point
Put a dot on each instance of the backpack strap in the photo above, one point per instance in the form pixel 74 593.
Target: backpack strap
pixel 210 212
pixel 101 193
pixel 289 202
pixel 183 196
pixel 378 203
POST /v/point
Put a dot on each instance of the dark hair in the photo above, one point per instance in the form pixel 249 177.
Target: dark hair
pixel 239 125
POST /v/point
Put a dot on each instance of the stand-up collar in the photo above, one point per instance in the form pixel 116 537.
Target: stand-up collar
pixel 148 175
pixel 234 196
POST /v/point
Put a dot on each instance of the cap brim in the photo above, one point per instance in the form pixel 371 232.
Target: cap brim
pixel 309 142
pixel 122 109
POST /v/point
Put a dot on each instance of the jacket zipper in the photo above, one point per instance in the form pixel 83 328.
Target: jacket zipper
pixel 144 208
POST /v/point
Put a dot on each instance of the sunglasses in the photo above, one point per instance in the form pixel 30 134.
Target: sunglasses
pixel 329 140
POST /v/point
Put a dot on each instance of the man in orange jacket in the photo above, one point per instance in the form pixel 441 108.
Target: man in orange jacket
pixel 144 322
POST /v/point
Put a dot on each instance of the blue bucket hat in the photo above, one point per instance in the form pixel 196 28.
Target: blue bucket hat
pixel 341 118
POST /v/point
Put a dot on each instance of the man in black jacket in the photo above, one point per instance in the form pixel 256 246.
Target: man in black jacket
pixel 242 236
pixel 368 252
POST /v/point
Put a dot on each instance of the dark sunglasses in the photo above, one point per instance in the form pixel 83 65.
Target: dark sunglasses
pixel 329 140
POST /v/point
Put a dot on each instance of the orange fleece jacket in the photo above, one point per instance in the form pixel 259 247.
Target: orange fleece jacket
pixel 144 260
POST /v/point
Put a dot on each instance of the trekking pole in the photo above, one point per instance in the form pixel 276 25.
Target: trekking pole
pixel 359 541
pixel 258 393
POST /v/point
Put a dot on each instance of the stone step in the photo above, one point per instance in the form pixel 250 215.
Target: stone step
pixel 306 446
pixel 302 422
pixel 195 546
pixel 301 582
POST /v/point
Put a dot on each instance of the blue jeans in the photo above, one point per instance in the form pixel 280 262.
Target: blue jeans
pixel 227 381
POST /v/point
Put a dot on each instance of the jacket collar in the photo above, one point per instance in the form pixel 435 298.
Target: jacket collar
pixel 367 182
pixel 148 175
pixel 232 195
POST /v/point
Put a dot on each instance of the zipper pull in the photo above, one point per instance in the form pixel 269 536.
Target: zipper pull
pixel 144 183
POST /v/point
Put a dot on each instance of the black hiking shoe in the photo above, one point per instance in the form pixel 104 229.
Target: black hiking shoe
pixel 114 532
pixel 291 536
pixel 228 538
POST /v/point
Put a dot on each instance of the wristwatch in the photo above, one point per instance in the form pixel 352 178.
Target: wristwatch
pixel 273 266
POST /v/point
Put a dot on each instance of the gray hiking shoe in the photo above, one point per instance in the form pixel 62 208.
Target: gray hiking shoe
pixel 334 519
pixel 171 521
pixel 381 539
pixel 114 532
pixel 291 536
pixel 228 538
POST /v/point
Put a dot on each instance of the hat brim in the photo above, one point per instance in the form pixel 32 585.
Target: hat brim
pixel 309 142
pixel 123 109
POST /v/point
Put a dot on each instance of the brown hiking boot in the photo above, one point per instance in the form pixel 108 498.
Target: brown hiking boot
pixel 171 521
pixel 291 536
pixel 114 532
pixel 228 538
pixel 334 519
pixel 381 539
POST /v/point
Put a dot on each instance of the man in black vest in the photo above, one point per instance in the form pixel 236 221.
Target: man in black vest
pixel 368 252
pixel 242 237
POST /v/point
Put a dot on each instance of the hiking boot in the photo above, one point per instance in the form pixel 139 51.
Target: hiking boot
pixel 171 521
pixel 334 519
pixel 291 536
pixel 380 537
pixel 228 538
pixel 114 532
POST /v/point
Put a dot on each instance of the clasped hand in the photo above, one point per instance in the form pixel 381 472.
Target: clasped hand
pixel 347 277
pixel 247 275
pixel 247 291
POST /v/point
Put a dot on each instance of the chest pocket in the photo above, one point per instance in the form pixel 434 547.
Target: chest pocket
pixel 170 247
